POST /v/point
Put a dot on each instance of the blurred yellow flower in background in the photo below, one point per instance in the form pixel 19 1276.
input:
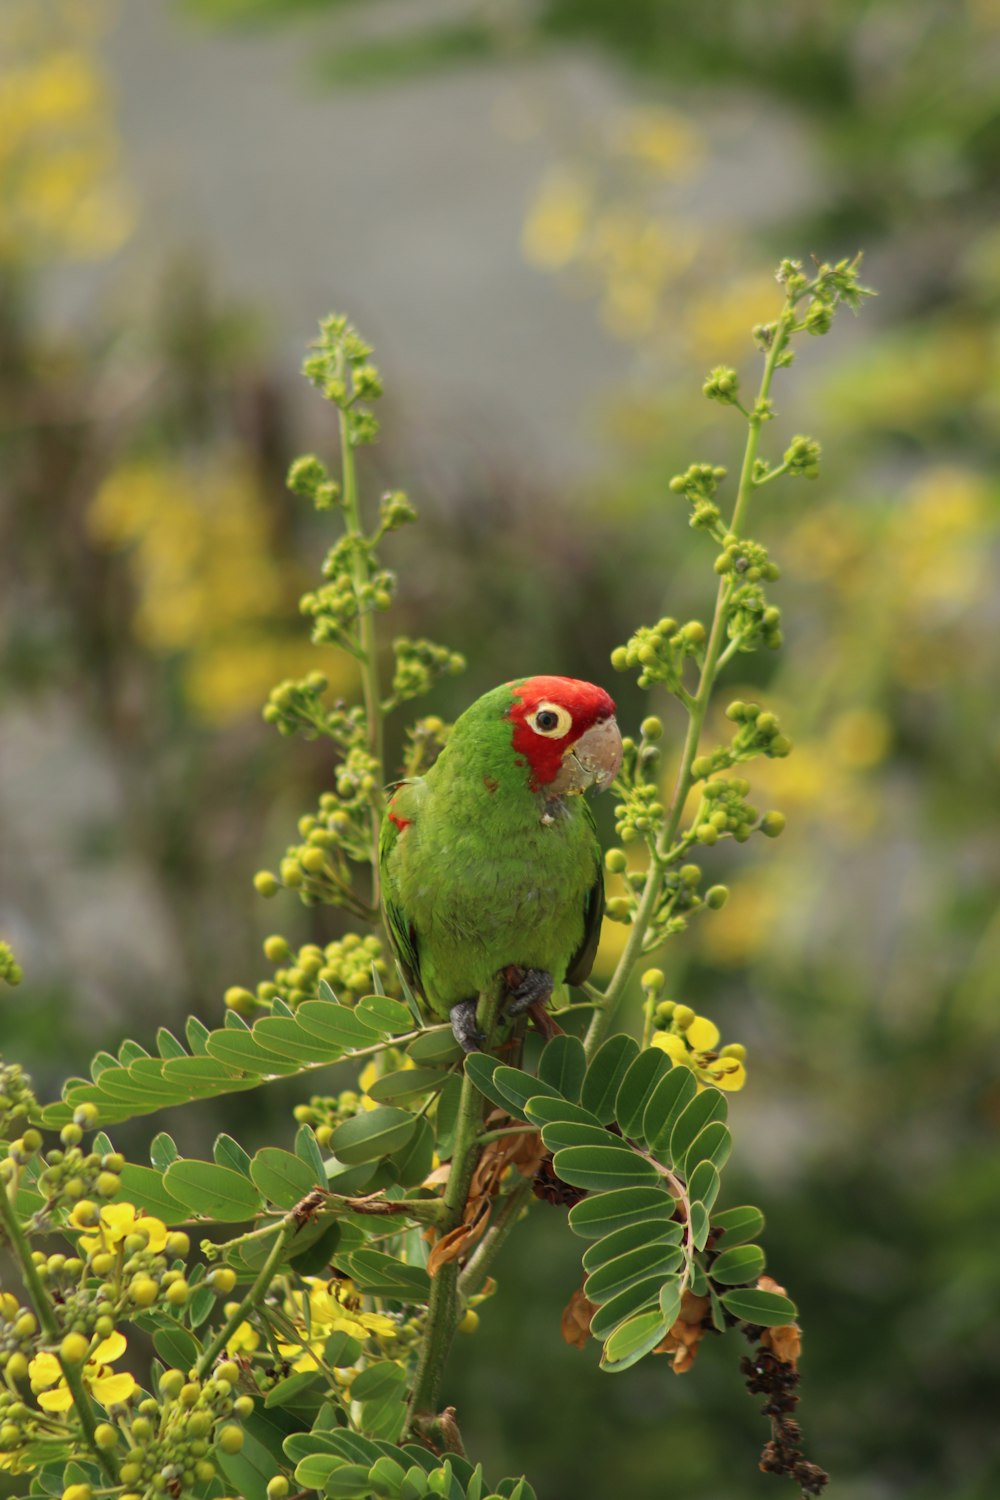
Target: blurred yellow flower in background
pixel 61 190
pixel 210 586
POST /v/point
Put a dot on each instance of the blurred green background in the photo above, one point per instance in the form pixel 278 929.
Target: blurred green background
pixel 551 219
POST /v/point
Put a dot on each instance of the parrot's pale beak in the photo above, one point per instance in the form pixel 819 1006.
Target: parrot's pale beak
pixel 593 760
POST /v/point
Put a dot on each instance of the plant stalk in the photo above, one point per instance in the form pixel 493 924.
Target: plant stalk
pixel 442 1309
pixel 602 1019
pixel 260 1286
pixel 72 1374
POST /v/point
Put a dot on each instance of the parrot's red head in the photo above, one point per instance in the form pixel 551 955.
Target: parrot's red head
pixel 566 732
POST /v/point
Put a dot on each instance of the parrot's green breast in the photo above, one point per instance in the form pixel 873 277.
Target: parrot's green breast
pixel 481 872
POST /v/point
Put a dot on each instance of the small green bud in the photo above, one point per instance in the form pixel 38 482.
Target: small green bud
pixel 653 980
pixel 705 833
pixel 142 1429
pixel 77 1492
pixel 619 659
pixel 683 1017
pixel 144 1291
pixel 243 1407
pixel 74 1349
pixel 178 1293
pixel 651 728
pixel 615 861
pixel 171 1384
pixel 618 908
pixel 105 1435
pixel 265 884
pixel 222 1280
pixel 780 746
pixel 240 1000
pixel 278 1487
pixel 107 1184
pixel 716 896
pixel 772 824
pixel 734 1049
pixel 227 1371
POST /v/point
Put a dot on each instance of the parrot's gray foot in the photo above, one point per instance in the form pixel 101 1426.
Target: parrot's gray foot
pixel 525 988
pixel 463 1024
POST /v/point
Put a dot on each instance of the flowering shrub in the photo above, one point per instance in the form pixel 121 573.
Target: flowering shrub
pixel 305 1341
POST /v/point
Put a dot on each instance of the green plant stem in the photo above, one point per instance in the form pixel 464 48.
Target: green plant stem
pixel 366 626
pixel 442 1309
pixel 482 1260
pixel 257 1291
pixel 698 708
pixel 72 1374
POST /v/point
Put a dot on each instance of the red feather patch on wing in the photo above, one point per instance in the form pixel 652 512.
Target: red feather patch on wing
pixel 586 704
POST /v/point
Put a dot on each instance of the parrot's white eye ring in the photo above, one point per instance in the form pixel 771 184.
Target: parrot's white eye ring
pixel 551 720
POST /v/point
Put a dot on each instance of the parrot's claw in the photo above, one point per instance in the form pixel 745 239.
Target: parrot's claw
pixel 526 988
pixel 463 1024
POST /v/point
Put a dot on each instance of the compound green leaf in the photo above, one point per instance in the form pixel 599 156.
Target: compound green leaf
pixel 637 1089
pixel 739 1224
pixel 283 1178
pixel 336 1025
pixel 388 1015
pixel 671 1096
pixel 211 1191
pixel 517 1087
pixel 569 1133
pixel 625 1270
pixel 229 1153
pixel 144 1186
pixel 604 1076
pixel 372 1134
pixel 635 1298
pixel 435 1047
pixel 405 1083
pixel 741 1263
pixel 543 1110
pixel 601 1214
pixel 414 1162
pixel 562 1065
pixel 598 1168
pixel 632 1340
pixel 703 1184
pixel 649 1233
pixel 284 1035
pixel 766 1309
pixel 709 1105
pixel 713 1144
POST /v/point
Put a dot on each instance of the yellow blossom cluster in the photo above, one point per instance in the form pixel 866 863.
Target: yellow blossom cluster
pixel 692 1041
pixel 209 585
pixel 317 1310
pixel 61 188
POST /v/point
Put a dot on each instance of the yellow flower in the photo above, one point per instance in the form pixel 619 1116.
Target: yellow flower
pixel 244 1339
pixel 694 1046
pixel 118 1221
pixel 327 1314
pixel 107 1385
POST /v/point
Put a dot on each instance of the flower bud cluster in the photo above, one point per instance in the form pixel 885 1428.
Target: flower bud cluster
pixel 723 385
pixel 395 509
pixel 324 1112
pixel 295 706
pixel 340 369
pixel 17 1099
pixel 346 966
pixel 760 732
pixel 308 477
pixel 661 651
pixel 425 739
pixel 418 665
pixel 173 1441
pixel 65 1175
pixel 340 830
pixel 802 456
pixel 10 970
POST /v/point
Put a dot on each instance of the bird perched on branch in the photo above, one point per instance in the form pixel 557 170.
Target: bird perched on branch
pixel 490 863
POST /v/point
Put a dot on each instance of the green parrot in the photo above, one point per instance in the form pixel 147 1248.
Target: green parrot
pixel 490 863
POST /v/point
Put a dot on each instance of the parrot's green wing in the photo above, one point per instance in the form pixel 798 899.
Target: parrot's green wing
pixel 401 812
pixel 582 961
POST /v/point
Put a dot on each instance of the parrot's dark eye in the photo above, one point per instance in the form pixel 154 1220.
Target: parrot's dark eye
pixel 551 720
